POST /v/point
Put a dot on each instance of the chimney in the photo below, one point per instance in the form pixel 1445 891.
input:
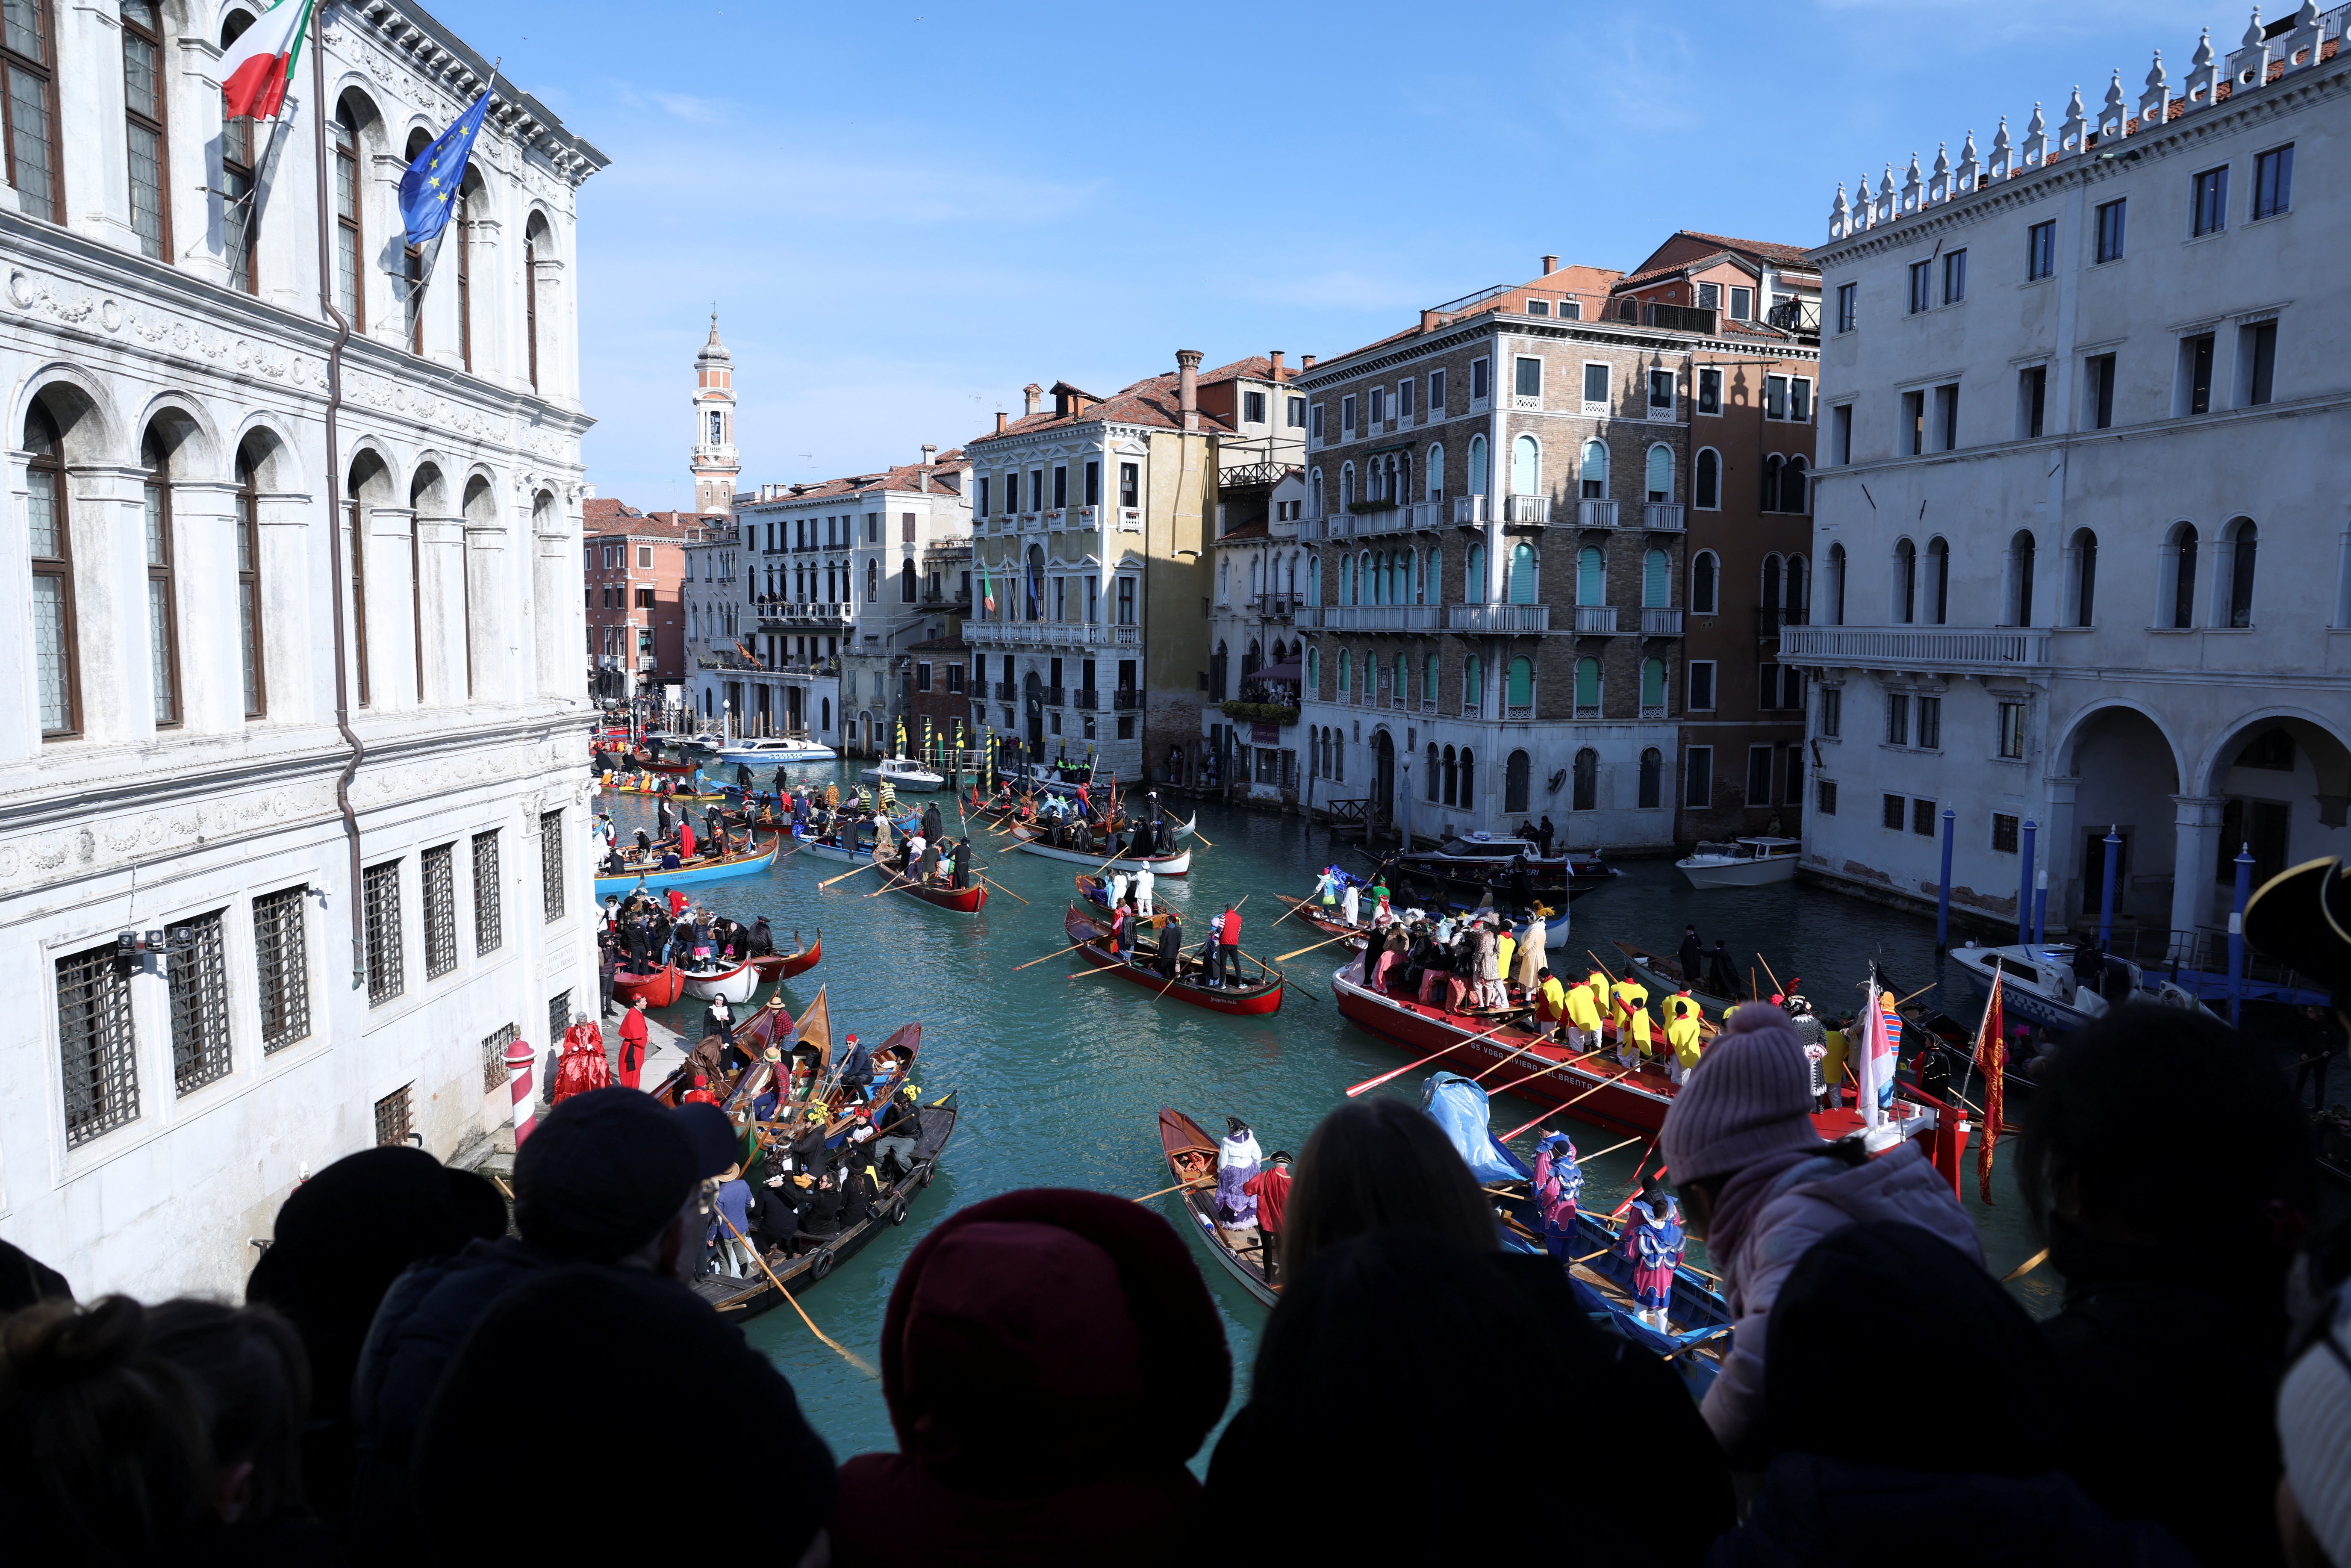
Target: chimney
pixel 930 456
pixel 1188 386
pixel 1033 395
pixel 1305 362
pixel 1551 265
pixel 1431 321
pixel 1276 358
pixel 1000 417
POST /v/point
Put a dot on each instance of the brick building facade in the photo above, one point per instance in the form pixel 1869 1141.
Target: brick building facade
pixel 635 565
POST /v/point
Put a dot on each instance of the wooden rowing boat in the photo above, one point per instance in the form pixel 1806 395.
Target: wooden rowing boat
pixel 701 869
pixel 1177 864
pixel 731 983
pixel 1191 1154
pixel 1664 976
pixel 960 900
pixel 659 989
pixel 784 966
pixel 1089 934
pixel 1311 912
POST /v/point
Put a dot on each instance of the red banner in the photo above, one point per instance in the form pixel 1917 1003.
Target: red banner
pixel 1991 1050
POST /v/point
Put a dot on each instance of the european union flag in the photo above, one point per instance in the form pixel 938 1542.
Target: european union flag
pixel 429 189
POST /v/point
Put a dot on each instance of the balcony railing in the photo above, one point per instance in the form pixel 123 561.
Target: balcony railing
pixel 1057 632
pixel 1524 712
pixel 1426 515
pixel 1498 620
pixel 1595 514
pixel 1004 691
pixel 1472 706
pixel 1659 620
pixel 1526 511
pixel 1470 510
pixel 1965 649
pixel 1771 619
pixel 1125 698
pixel 1086 698
pixel 1595 620
pixel 1652 710
pixel 830 615
pixel 1661 516
pixel 1276 606
pixel 1052 695
pixel 1369 617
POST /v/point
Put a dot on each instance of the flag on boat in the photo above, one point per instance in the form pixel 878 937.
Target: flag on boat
pixel 429 189
pixel 1881 1041
pixel 255 67
pixel 1991 1057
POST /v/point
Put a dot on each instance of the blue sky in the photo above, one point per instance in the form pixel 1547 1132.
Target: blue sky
pixel 905 212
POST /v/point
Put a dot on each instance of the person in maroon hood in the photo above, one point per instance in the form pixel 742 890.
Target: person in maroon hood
pixel 1051 1358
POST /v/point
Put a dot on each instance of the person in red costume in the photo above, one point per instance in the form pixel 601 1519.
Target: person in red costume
pixel 1051 1358
pixel 583 1065
pixel 633 1044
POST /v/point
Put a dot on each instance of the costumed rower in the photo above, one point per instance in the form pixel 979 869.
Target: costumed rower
pixel 1683 1034
pixel 1237 1159
pixel 1584 1018
pixel 1558 1184
pixel 1654 1242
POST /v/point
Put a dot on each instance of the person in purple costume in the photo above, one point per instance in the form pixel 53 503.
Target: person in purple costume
pixel 1558 1182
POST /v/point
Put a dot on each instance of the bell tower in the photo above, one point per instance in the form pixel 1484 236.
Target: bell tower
pixel 716 465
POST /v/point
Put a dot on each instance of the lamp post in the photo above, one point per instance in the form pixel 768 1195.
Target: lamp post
pixel 2112 844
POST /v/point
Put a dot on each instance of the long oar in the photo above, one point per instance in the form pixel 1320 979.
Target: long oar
pixel 1081 973
pixel 1287 914
pixel 1285 957
pixel 2030 1264
pixel 1777 989
pixel 1000 887
pixel 1557 1109
pixel 847 1354
pixel 1609 1150
pixel 844 876
pixel 1179 1186
pixel 1370 1083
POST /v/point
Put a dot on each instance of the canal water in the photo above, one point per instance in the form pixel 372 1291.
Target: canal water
pixel 1059 1080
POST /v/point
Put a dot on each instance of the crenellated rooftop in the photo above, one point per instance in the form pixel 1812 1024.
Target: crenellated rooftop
pixel 2268 51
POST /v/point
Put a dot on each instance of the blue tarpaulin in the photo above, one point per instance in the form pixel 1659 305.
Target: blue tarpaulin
pixel 1458 1106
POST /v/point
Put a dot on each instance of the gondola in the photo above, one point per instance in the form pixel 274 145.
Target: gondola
pixel 701 869
pixel 1089 933
pixel 961 900
pixel 1309 911
pixel 784 966
pixel 1191 1155
pixel 1664 976
pixel 731 983
pixel 1177 864
pixel 661 989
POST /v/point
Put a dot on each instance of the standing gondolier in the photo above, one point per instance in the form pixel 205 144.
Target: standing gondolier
pixel 1228 945
pixel 1270 1188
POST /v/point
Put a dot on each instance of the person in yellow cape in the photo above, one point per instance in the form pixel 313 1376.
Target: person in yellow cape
pixel 1684 1035
pixel 1584 1018
pixel 1631 1006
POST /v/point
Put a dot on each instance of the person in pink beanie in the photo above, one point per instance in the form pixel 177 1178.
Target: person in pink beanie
pixel 1760 1186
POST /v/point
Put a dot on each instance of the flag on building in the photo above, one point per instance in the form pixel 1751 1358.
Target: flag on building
pixel 987 589
pixel 429 190
pixel 1991 1057
pixel 255 67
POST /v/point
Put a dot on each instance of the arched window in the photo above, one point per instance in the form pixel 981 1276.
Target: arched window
pixel 1368 569
pixel 872 583
pixel 1653 688
pixel 1591 576
pixel 56 660
pixel 1653 777
pixel 2179 577
pixel 1938 580
pixel 1415 579
pixel 1771 599
pixel 535 237
pixel 1346 665
pixel 1522 574
pixel 1661 473
pixel 1314 671
pixel 2237 562
pixel 1798 601
pixel 1314 494
pixel 1224 581
pixel 1473 686
pixel 247 524
pixel 1436 472
pixel 1793 496
pixel 1837 585
pixel 241 149
pixel 1346 580
pixel 1468 800
pixel 1517 774
pixel 411 261
pixel 1706 490
pixel 2082 579
pixel 1525 466
pixel 1656 579
pixel 1704 570
pixel 1477 485
pixel 1314 580
pixel 1346 486
pixel 1256 577
pixel 1906 581
pixel 1773 467
pixel 1428 681
pixel 1399 688
pixel 2020 577
pixel 1452 777
pixel 1587 780
pixel 1518 695
pixel 1587 686
pixel 162 607
pixel 1430 770
pixel 1473 576
pixel 351 239
pixel 907 583
pixel 461 229
pixel 1594 472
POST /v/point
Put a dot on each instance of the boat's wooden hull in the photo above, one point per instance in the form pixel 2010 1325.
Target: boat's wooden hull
pixel 661 989
pixel 784 966
pixel 960 900
pixel 690 875
pixel 732 986
pixel 1309 912
pixel 1177 864
pixel 1092 934
pixel 1663 977
pixel 1189 1150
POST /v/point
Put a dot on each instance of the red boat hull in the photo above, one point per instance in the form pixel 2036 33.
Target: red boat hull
pixel 659 989
pixel 961 900
pixel 1100 953
pixel 784 966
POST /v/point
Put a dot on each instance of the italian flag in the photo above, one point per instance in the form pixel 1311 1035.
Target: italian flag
pixel 254 69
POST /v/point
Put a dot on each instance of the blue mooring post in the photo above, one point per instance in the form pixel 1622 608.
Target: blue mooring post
pixel 2041 907
pixel 2237 934
pixel 2024 889
pixel 2113 843
pixel 1943 888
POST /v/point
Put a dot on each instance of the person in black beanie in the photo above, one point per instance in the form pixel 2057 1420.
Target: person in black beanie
pixel 611 1178
pixel 637 1370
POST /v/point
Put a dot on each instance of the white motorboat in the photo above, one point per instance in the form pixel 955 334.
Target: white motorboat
pixel 732 984
pixel 773 749
pixel 905 775
pixel 1743 863
pixel 2046 985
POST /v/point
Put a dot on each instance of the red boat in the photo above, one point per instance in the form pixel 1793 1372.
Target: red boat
pixel 660 989
pixel 961 900
pixel 1598 1089
pixel 1091 932
pixel 784 966
pixel 1310 911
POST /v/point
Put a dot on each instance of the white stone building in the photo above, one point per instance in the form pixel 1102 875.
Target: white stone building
pixel 2083 540
pixel 1256 653
pixel 301 689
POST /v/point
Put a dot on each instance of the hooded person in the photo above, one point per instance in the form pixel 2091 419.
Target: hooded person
pixel 611 1178
pixel 1050 1359
pixel 1655 1244
pixel 340 1241
pixel 1985 1470
pixel 639 1365
pixel 1558 1185
pixel 1238 1159
pixel 1760 1186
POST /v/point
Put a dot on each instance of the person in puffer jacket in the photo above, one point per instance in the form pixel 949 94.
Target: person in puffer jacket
pixel 1760 1186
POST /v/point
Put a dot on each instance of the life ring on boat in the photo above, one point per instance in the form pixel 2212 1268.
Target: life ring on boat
pixel 930 1170
pixel 898 1210
pixel 819 1263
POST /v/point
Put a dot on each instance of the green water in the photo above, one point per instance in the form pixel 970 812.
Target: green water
pixel 1060 1080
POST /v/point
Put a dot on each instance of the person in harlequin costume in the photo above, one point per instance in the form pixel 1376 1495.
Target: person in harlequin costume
pixel 1558 1182
pixel 1655 1241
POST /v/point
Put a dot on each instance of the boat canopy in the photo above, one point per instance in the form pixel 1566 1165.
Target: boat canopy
pixel 1458 1106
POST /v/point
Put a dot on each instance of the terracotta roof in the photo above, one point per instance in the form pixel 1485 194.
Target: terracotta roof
pixel 945 477
pixel 1254 529
pixel 1768 250
pixel 604 508
pixel 616 519
pixel 1150 401
pixel 1592 282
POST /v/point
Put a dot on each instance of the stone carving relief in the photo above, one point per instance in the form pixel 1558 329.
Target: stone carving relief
pixel 31 293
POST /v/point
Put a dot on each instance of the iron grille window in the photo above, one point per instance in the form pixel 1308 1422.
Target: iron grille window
pixel 96 1048
pixel 281 957
pixel 384 978
pixel 494 1056
pixel 559 1019
pixel 489 928
pixel 440 868
pixel 1893 805
pixel 393 1119
pixel 2003 834
pixel 1826 791
pixel 550 862
pixel 1922 818
pixel 198 980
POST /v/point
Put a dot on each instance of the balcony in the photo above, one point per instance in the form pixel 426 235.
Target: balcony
pixel 1595 620
pixel 1086 698
pixel 947 552
pixel 1276 606
pixel 1971 649
pixel 1125 698
pixel 1470 511
pixel 1498 620
pixel 1369 617
pixel 1004 691
pixel 1661 516
pixel 1771 619
pixel 1525 514
pixel 829 617
pixel 1052 695
pixel 1657 621
pixel 1652 710
pixel 1524 712
pixel 1595 514
pixel 1130 520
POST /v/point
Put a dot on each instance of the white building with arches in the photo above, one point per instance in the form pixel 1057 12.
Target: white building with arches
pixel 2085 554
pixel 296 527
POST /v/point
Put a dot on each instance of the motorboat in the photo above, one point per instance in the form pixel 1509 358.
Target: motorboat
pixel 1742 863
pixel 904 774
pixel 768 750
pixel 2062 987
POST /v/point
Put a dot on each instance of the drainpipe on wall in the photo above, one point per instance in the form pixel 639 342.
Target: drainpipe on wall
pixel 334 523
